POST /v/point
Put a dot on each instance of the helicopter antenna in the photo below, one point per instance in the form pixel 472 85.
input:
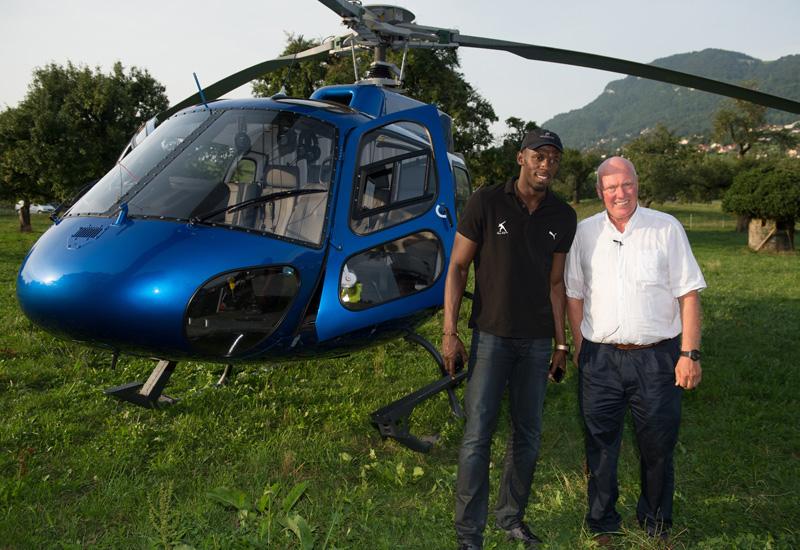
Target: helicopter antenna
pixel 200 90
pixel 403 64
pixel 353 52
pixel 282 92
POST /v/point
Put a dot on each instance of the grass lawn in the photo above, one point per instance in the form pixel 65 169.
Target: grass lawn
pixel 285 457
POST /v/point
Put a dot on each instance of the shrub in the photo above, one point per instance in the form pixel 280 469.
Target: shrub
pixel 767 191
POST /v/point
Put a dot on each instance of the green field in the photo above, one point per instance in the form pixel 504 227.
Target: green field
pixel 290 449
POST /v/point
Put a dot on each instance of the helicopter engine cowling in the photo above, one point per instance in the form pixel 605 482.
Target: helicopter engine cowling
pixel 165 288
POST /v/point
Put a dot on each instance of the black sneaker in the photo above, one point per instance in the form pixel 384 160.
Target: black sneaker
pixel 468 546
pixel 521 533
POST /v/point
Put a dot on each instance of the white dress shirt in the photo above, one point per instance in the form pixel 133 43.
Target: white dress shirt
pixel 630 281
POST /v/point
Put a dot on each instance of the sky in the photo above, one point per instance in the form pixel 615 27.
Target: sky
pixel 172 39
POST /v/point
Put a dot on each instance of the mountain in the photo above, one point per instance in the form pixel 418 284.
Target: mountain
pixel 628 106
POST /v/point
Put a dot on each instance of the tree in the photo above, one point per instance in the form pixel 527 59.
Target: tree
pixel 15 153
pixel 739 122
pixel 499 163
pixel 663 165
pixel 575 174
pixel 708 177
pixel 431 76
pixel 299 79
pixel 769 195
pixel 70 128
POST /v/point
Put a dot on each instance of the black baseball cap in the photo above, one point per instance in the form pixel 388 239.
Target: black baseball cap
pixel 540 137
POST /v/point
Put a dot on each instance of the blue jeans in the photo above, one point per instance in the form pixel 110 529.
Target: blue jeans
pixel 521 364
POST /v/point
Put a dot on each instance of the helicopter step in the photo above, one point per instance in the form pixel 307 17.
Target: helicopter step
pixel 393 419
pixel 147 394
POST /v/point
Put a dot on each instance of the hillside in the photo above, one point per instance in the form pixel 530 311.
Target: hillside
pixel 631 104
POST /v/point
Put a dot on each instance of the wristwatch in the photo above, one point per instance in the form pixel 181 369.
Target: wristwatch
pixel 693 354
pixel 562 347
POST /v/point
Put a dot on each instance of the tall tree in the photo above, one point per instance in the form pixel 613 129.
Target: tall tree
pixel 433 76
pixel 740 123
pixel 15 155
pixel 71 127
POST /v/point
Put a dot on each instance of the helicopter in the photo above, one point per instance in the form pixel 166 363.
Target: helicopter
pixel 238 231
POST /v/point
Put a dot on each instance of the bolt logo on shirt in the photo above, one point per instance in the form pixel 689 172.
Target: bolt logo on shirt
pixel 501 228
pixel 553 234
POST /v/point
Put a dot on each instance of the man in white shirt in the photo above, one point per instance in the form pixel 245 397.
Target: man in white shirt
pixel 634 311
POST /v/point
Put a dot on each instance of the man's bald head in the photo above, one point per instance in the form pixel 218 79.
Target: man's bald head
pixel 615 165
pixel 618 188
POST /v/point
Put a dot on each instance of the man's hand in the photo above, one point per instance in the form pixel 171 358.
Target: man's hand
pixel 452 347
pixel 688 373
pixel 576 353
pixel 558 361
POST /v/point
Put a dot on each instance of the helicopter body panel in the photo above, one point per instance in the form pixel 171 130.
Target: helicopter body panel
pixel 367 98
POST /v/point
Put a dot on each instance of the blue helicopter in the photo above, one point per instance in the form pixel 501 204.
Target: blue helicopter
pixel 236 231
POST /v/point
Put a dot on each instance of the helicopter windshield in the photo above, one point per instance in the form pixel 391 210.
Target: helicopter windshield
pixel 138 164
pixel 241 156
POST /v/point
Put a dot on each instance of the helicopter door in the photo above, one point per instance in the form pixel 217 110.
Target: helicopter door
pixel 393 226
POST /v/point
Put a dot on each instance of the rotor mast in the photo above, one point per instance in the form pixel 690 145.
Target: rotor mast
pixel 380 27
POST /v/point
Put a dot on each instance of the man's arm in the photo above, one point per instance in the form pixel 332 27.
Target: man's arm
pixel 687 372
pixel 558 301
pixel 575 316
pixel 464 251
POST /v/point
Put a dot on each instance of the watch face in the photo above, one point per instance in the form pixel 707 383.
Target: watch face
pixel 694 354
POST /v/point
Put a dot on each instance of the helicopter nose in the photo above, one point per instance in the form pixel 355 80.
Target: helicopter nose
pixel 162 289
pixel 101 293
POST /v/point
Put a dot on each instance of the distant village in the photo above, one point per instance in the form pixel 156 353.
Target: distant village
pixel 769 130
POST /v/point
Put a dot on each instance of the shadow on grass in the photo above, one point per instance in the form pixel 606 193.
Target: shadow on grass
pixel 739 442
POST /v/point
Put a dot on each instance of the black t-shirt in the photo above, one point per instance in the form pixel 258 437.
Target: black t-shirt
pixel 514 258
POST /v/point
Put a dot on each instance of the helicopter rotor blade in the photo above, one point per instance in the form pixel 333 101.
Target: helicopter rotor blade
pixel 217 89
pixel 343 8
pixel 593 61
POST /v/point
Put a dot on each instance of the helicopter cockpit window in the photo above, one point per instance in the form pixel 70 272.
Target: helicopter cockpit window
pixel 276 162
pixel 463 188
pixel 396 177
pixel 132 169
pixel 391 270
pixel 267 171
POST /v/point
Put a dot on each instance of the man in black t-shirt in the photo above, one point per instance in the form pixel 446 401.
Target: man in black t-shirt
pixel 518 236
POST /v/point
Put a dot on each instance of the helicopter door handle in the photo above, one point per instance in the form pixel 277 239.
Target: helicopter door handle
pixel 443 212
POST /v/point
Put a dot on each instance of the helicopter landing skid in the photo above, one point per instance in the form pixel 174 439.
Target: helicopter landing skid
pixel 147 394
pixel 393 419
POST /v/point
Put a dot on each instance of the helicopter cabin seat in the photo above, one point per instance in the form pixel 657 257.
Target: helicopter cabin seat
pixel 298 217
pixel 239 192
pixel 277 213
